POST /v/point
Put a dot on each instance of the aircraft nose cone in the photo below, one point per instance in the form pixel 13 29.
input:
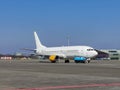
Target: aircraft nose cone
pixel 96 53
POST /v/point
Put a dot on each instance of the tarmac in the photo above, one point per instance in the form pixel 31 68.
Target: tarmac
pixel 40 75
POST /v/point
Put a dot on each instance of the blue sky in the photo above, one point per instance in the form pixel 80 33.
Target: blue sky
pixel 94 23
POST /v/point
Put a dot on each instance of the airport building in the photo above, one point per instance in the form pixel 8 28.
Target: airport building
pixel 113 54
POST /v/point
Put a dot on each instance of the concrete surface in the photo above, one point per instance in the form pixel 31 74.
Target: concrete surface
pixel 36 75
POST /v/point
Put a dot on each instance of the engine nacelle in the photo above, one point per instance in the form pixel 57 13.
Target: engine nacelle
pixel 53 58
pixel 80 59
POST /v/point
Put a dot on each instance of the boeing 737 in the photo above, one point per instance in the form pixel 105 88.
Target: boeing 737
pixel 78 53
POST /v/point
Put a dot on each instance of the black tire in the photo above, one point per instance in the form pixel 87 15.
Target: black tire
pixel 88 61
pixel 67 61
pixel 76 61
pixel 53 61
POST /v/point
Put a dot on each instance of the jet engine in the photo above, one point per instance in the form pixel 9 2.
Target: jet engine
pixel 53 58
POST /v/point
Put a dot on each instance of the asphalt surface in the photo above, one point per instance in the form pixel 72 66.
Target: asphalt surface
pixel 36 75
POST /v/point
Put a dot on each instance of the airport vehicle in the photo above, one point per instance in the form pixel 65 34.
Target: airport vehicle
pixel 77 53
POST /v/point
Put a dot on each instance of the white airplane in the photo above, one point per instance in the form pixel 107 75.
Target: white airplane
pixel 78 53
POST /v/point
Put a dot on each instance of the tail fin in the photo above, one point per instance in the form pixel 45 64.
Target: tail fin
pixel 38 43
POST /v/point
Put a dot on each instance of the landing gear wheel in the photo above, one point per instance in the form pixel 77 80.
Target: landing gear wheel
pixel 67 61
pixel 53 61
pixel 88 61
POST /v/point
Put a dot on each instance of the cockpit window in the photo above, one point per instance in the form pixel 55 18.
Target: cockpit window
pixel 90 49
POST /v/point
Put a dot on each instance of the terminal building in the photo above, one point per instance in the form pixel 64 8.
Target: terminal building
pixel 109 54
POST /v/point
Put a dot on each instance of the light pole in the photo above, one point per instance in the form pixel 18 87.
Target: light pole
pixel 68 40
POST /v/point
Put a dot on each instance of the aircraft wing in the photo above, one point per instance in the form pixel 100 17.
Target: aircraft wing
pixel 27 49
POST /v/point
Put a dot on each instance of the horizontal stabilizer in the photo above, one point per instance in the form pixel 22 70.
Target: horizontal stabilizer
pixel 27 49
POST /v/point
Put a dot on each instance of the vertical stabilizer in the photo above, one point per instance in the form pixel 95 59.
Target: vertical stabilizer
pixel 38 43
